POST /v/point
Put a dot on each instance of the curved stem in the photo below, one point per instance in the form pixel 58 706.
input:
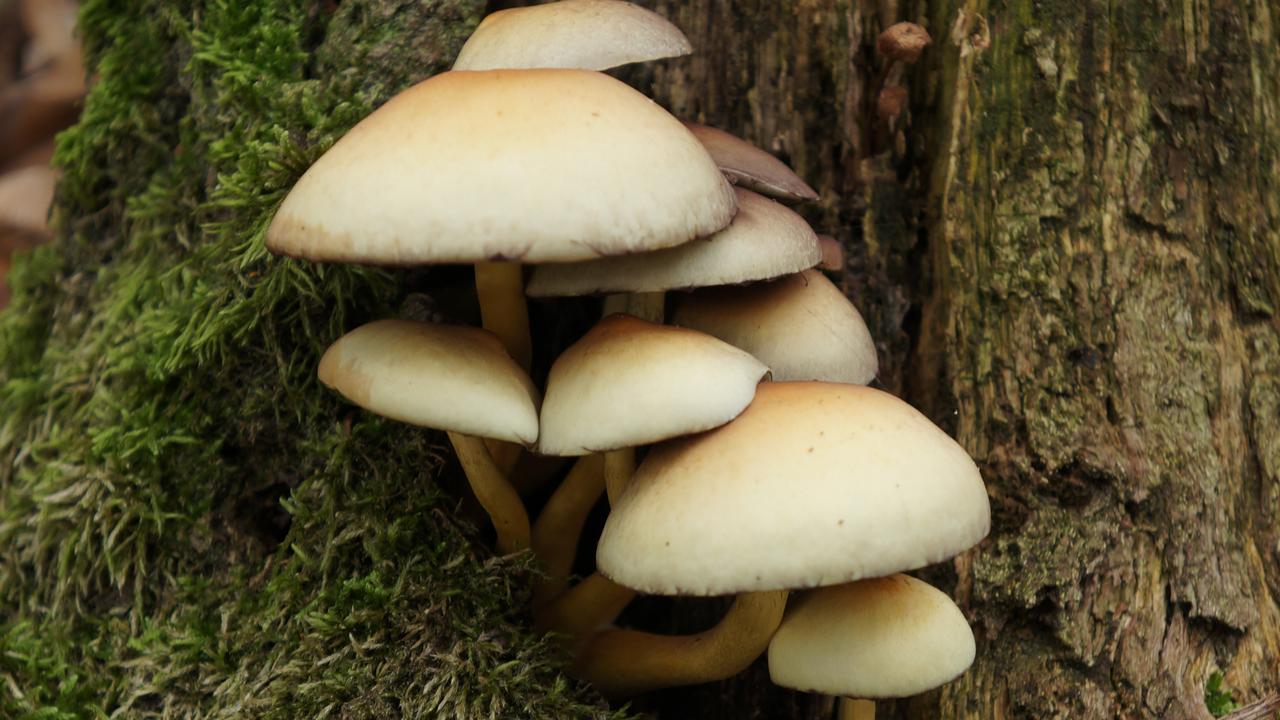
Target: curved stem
pixel 583 609
pixel 495 493
pixel 620 663
pixel 559 526
pixel 855 709
pixel 619 466
pixel 503 309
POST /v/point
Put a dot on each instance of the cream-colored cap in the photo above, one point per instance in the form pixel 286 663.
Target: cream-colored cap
pixel 629 382
pixel 586 34
pixel 447 377
pixel 883 638
pixel 529 165
pixel 765 240
pixel 814 484
pixel 749 166
pixel 801 326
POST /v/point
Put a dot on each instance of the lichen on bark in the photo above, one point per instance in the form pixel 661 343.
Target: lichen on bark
pixel 190 525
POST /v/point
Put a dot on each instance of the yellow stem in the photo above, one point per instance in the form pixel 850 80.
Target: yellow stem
pixel 621 663
pixel 503 309
pixel 619 466
pixel 495 493
pixel 583 609
pixel 855 709
pixel 559 526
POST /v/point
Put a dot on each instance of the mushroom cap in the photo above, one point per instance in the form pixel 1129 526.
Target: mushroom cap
pixel 586 34
pixel 832 253
pixel 801 326
pixel 881 638
pixel 446 377
pixel 749 166
pixel 814 484
pixel 629 382
pixel 765 240
pixel 532 165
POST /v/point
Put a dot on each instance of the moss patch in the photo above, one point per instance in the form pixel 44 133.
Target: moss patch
pixel 190 526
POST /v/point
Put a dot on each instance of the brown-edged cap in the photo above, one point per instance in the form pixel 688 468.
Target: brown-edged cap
pixel 629 382
pixel 903 42
pixel 814 484
pixel 882 638
pixel 801 326
pixel 529 165
pixel 765 240
pixel 586 34
pixel 749 166
pixel 446 377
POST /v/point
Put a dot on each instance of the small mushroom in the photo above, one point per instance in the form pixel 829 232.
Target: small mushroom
pixel 765 240
pixel 749 166
pixel 886 637
pixel 585 34
pixel 832 254
pixel 801 326
pixel 452 378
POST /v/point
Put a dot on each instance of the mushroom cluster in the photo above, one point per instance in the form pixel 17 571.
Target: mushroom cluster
pixel 768 467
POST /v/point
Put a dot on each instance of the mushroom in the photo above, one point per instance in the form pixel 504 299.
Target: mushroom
pixel 765 240
pixel 502 167
pixel 885 637
pixel 629 382
pixel 585 34
pixel 802 326
pixel 814 484
pixel 453 378
pixel 749 166
pixel 832 254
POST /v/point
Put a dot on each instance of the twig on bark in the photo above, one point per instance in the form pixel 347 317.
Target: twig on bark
pixel 1261 710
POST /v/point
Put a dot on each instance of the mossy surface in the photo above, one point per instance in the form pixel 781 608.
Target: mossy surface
pixel 190 526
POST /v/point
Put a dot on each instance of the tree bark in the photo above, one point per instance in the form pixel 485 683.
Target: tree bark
pixel 1069 251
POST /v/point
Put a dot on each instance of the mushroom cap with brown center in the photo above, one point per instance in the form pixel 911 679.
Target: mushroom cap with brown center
pixel 446 377
pixel 749 166
pixel 629 382
pixel 766 239
pixel 880 638
pixel 814 484
pixel 586 34
pixel 529 165
pixel 801 326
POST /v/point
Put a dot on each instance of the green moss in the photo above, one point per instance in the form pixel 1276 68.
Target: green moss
pixel 191 526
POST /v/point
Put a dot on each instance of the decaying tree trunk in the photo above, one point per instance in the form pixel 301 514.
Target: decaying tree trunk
pixel 1070 253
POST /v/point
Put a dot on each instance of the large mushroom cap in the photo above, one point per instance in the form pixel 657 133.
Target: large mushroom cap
pixel 886 637
pixel 765 240
pixel 532 165
pixel 749 166
pixel 629 382
pixel 447 377
pixel 814 484
pixel 801 326
pixel 586 34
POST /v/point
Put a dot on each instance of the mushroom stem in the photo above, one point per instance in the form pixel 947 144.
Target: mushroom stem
pixel 621 663
pixel 495 493
pixel 651 306
pixel 619 466
pixel 583 609
pixel 855 709
pixel 559 526
pixel 503 310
